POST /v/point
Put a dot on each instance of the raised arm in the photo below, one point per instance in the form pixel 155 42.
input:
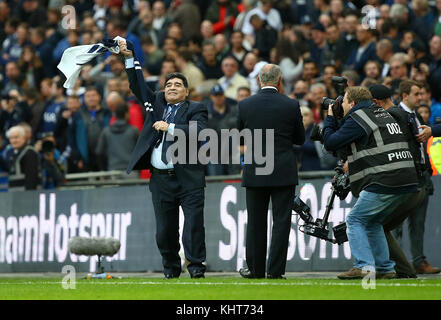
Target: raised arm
pixel 131 72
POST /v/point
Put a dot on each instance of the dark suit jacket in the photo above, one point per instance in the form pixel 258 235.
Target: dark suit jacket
pixel 269 109
pixel 190 176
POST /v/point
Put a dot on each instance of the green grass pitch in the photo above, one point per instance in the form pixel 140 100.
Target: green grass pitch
pixel 216 288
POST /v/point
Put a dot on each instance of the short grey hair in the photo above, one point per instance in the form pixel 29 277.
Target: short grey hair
pixel 19 129
pixel 270 75
pixel 398 10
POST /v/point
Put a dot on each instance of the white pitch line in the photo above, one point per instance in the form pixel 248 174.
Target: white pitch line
pixel 293 284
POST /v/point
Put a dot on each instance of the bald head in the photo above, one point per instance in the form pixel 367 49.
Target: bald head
pixel 113 100
pixel 270 75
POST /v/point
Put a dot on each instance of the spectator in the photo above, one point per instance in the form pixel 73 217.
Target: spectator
pixel 237 49
pixel 424 111
pixel 290 64
pixel 153 55
pixel 221 45
pixel 207 31
pixel 31 13
pixel 307 154
pixel 209 65
pixel 14 47
pixel 434 79
pixel 188 69
pixel 232 80
pixel 372 70
pixel 318 92
pixel 365 51
pixel 318 45
pixel 32 100
pixel 12 113
pixel 329 71
pixel 242 93
pixel 43 49
pixel 385 51
pixel 348 41
pixel 22 161
pixel 117 141
pixel 435 106
pixel 332 38
pixel 66 134
pixel 14 79
pixel 398 67
pixel 265 37
pixel 31 67
pixel 4 15
pixel 52 109
pixel 160 21
pixel 135 117
pixel 143 25
pixel 310 71
pixel 187 15
pixel 174 31
pixel 71 40
pixel 100 13
pixel 222 114
pixel 88 128
pixel 52 164
pixel 118 27
pixel 267 13
pixel 222 13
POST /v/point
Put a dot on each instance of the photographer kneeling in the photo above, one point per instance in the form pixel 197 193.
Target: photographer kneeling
pixel 381 173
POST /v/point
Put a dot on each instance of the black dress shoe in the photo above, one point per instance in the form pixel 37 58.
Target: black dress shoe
pixel 406 276
pixel 168 276
pixel 197 274
pixel 247 274
pixel 269 276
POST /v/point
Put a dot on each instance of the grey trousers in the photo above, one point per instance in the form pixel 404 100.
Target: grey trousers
pixel 416 221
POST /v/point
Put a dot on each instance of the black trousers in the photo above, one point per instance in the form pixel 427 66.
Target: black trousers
pixel 256 237
pixel 168 195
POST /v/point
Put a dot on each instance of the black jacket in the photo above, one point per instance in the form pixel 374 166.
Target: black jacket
pixel 269 109
pixel 190 176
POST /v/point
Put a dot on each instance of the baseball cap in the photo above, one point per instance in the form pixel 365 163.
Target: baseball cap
pixel 217 89
pixel 318 26
pixel 380 92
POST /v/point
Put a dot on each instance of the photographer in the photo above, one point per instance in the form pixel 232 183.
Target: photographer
pixel 53 171
pixel 381 172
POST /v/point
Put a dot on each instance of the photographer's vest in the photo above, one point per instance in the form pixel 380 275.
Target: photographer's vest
pixel 16 176
pixel 385 159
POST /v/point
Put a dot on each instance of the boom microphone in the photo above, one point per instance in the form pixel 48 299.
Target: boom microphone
pixel 94 246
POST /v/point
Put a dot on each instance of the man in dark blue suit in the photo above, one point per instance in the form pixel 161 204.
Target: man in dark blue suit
pixel 172 183
pixel 270 110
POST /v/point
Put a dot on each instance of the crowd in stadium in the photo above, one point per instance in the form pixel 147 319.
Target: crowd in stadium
pixel 47 131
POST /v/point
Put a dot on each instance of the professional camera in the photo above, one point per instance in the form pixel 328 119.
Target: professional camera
pixel 320 227
pixel 47 146
pixel 340 84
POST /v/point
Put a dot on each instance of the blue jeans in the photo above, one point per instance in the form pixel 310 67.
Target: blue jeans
pixel 365 232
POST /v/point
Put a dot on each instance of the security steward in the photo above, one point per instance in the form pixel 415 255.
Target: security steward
pixel 381 172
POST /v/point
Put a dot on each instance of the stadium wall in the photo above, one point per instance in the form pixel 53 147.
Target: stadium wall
pixel 35 228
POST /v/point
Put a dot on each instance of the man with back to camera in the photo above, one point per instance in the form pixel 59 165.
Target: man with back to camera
pixel 172 184
pixel 381 173
pixel 270 110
